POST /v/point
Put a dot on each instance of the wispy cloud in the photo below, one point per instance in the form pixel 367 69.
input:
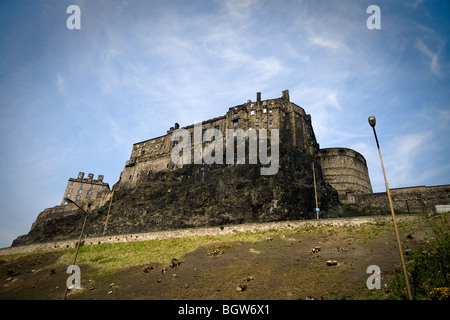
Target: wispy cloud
pixel 329 43
pixel 435 68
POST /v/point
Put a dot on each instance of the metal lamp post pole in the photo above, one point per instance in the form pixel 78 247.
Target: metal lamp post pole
pixel 372 122
pixel 315 191
pixel 79 240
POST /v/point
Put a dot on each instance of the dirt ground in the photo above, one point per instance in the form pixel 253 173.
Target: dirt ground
pixel 282 267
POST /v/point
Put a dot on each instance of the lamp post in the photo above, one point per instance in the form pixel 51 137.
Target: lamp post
pixel 372 122
pixel 79 240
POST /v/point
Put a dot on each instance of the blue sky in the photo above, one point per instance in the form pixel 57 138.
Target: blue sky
pixel 76 100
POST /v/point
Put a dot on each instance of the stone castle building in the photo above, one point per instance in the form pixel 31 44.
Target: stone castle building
pixel 85 189
pixel 345 169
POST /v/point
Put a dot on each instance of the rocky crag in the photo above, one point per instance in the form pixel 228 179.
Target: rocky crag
pixel 197 196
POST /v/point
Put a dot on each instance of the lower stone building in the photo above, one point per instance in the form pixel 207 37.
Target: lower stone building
pixel 85 189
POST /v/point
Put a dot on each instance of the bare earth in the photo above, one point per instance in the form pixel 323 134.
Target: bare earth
pixel 282 266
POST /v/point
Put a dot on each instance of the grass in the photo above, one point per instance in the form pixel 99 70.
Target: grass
pixel 110 257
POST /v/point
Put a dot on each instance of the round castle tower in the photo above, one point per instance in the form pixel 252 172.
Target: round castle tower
pixel 346 171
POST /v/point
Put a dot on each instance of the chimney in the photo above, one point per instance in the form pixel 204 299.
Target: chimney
pixel 90 177
pixel 80 175
pixel 258 97
pixel 100 178
pixel 286 94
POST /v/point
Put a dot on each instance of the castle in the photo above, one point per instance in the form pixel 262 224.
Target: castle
pixel 156 193
pixel 345 169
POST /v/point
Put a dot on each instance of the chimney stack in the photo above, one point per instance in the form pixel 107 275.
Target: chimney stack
pixel 258 97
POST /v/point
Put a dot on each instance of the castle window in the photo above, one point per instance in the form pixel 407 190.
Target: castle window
pixel 257 127
pixel 235 124
pixel 264 103
pixel 271 117
pixel 270 125
pixel 252 105
pixel 68 195
pixel 71 183
pixel 70 189
pixel 89 192
pixel 153 141
pixel 78 197
pixel 257 120
pixel 252 113
pixel 88 198
pixel 79 191
pixel 270 111
pixel 156 147
pixel 265 110
pixel 162 139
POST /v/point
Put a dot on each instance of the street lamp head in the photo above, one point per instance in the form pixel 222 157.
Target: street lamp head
pixel 68 200
pixel 372 121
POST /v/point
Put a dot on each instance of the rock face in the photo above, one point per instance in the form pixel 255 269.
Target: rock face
pixel 197 195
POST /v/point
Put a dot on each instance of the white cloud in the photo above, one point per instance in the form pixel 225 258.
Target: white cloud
pixel 329 43
pixel 60 82
pixel 402 156
pixel 435 68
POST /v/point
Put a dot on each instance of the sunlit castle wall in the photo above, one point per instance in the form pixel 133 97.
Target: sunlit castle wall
pixel 346 171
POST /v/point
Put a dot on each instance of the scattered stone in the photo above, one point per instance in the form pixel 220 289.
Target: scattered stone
pixel 109 292
pixel 254 251
pixel 332 262
pixel 315 249
pixel 241 287
pixel 248 279
pixel 112 284
pixel 175 263
pixel 269 239
pixel 52 271
pixel 215 252
pixel 163 270
pixel 147 269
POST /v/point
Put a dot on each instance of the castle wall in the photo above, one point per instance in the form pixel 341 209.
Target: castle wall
pixel 294 124
pixel 411 199
pixel 346 171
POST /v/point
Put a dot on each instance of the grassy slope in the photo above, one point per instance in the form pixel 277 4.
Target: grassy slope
pixel 283 268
